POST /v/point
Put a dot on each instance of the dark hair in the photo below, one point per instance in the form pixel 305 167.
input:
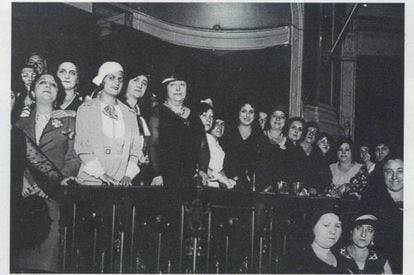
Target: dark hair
pixel 42 56
pixel 351 145
pixel 322 135
pixel 289 122
pixel 60 90
pixel 202 107
pixel 25 65
pixel 274 109
pixel 146 98
pixel 370 152
pixel 316 214
pixel 77 71
pixel 311 124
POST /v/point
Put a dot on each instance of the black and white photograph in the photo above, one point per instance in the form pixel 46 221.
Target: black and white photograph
pixel 206 137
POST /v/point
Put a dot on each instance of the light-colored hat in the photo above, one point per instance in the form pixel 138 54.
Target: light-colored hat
pixel 105 69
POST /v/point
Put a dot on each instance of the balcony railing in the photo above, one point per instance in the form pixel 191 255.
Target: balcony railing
pixel 148 230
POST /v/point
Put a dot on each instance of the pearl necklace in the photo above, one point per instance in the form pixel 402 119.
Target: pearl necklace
pixel 179 113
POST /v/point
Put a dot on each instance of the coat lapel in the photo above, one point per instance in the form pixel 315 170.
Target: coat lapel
pixel 27 125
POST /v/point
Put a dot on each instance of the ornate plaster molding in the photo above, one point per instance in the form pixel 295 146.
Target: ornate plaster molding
pixel 210 39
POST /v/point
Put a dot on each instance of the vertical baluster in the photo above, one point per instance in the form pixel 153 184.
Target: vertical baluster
pixel 111 247
pixel 65 237
pixel 102 267
pixel 131 245
pixel 195 255
pixel 121 254
pixel 180 261
pixel 270 244
pixel 260 254
pixel 226 255
pixel 95 240
pixel 252 240
pixel 159 252
pixel 284 244
pixel 208 240
pixel 72 253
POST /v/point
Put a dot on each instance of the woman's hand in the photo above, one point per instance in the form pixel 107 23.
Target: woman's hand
pixel 30 190
pixel 63 113
pixel 26 111
pixel 71 181
pixel 109 180
pixel 231 184
pixel 143 160
pixel 157 181
pixel 204 177
pixel 126 181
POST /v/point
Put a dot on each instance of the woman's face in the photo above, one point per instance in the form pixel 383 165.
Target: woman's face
pixel 324 145
pixel 113 83
pixel 295 130
pixel 137 87
pixel 277 120
pixel 327 230
pixel 12 99
pixel 207 119
pixel 344 153
pixel 218 129
pixel 311 135
pixel 28 75
pixel 362 235
pixel 381 151
pixel 68 74
pixel 177 90
pixel 364 153
pixel 246 115
pixel 46 89
pixel 38 62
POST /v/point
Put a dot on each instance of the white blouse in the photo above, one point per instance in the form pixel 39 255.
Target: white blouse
pixel 112 128
pixel 339 178
pixel 216 154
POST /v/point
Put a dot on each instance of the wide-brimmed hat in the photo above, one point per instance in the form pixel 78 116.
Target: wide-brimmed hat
pixel 105 69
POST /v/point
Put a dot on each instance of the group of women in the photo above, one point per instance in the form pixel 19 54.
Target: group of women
pixel 119 134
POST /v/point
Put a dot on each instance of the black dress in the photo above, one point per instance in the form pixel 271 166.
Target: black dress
pixel 294 162
pixel 269 169
pixel 316 171
pixel 309 263
pixel 242 155
pixel 374 264
pixel 74 105
pixel 389 236
pixel 177 147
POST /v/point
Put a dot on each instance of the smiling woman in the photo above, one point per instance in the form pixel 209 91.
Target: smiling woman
pixel 242 145
pixel 108 140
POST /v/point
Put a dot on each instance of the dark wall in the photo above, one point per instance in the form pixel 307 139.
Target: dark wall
pixel 66 33
pixel 59 31
pixel 379 100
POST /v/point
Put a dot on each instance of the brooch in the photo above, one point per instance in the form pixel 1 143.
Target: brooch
pixel 57 123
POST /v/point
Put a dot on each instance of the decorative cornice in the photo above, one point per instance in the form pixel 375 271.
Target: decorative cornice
pixel 208 39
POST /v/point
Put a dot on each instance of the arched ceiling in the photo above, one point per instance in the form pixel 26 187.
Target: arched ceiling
pixel 214 26
pixel 229 16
